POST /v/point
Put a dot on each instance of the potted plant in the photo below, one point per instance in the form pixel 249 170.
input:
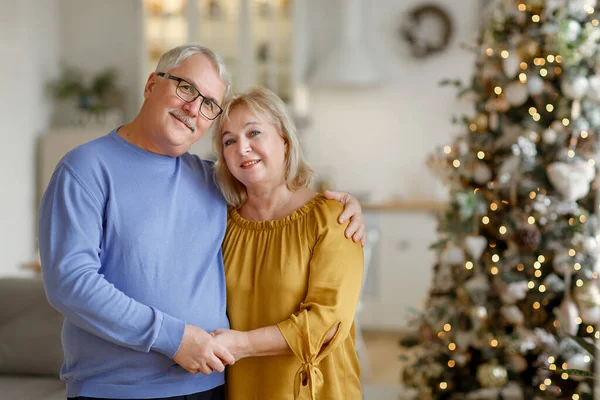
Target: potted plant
pixel 95 95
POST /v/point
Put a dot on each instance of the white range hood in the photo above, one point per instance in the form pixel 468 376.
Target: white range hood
pixel 349 63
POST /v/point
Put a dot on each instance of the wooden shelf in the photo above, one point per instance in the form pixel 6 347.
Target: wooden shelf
pixel 409 205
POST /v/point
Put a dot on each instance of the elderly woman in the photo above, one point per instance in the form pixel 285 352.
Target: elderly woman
pixel 293 280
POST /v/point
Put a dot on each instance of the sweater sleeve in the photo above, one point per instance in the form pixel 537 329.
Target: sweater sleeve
pixel 70 242
pixel 334 284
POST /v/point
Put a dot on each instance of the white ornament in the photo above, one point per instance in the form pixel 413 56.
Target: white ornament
pixel 547 339
pixel 514 292
pixel 482 174
pixel 475 246
pixel 516 94
pixel 590 244
pixel 572 31
pixel 535 84
pixel 567 314
pixel 454 255
pixel 512 315
pixel 528 340
pixel 511 64
pixel 572 181
pixel 575 88
pixel 590 315
pixel 554 283
pixel 581 124
pixel 478 314
pixel 593 117
pixel 549 136
pixel 594 88
pixel 578 8
pixel 581 362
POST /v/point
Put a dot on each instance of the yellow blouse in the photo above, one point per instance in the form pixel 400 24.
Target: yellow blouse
pixel 302 274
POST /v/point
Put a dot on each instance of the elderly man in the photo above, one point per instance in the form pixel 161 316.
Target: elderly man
pixel 130 236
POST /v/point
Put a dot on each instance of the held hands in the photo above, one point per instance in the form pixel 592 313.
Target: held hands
pixel 352 210
pixel 201 352
pixel 235 341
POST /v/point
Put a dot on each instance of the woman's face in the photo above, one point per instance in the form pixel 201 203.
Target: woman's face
pixel 253 148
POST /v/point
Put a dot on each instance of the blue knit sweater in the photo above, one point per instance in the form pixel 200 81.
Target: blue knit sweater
pixel 130 243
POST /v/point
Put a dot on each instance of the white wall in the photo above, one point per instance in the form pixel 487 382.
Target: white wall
pixel 98 34
pixel 29 46
pixel 375 140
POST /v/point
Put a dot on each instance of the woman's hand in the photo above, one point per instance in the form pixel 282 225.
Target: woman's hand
pixel 199 352
pixel 235 341
pixel 352 211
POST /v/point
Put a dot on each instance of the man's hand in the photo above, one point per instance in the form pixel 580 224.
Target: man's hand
pixel 200 352
pixel 352 211
pixel 235 341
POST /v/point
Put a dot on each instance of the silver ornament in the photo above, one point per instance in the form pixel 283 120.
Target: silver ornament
pixel 575 88
pixel 492 375
pixel 573 180
pixel 594 87
pixel 535 84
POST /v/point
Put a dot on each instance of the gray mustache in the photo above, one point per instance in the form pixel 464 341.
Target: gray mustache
pixel 183 118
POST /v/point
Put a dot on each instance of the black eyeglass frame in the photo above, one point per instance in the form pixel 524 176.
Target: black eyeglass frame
pixel 179 81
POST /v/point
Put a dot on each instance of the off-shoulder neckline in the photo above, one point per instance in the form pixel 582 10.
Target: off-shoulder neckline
pixel 278 223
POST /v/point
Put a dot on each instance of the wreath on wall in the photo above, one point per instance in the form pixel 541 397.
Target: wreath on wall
pixel 428 30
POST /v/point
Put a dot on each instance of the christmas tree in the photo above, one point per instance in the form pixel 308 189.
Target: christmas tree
pixel 515 288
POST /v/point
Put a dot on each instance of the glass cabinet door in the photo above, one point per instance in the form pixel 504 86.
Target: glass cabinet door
pixel 165 26
pixel 254 37
pixel 273 44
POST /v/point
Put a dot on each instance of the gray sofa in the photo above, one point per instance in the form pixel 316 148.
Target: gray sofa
pixel 30 349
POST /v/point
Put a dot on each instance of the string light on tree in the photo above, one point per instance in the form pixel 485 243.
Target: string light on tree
pixel 518 250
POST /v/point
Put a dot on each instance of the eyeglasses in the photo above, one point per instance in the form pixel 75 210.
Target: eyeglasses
pixel 188 93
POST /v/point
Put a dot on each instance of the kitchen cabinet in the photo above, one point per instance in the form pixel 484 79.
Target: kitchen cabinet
pixel 258 39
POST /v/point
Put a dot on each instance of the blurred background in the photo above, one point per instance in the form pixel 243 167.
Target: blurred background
pixel 360 77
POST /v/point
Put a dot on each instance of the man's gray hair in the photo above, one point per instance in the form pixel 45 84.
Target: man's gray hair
pixel 177 55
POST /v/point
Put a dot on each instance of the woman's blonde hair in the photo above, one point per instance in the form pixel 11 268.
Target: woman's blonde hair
pixel 265 104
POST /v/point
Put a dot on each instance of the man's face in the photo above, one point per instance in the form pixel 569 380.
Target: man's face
pixel 170 124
